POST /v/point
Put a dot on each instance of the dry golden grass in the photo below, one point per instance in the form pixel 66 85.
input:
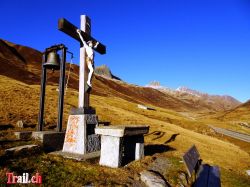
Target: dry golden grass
pixel 212 150
pixel 176 130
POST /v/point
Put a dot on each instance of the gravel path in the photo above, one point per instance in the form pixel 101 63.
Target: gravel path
pixel 237 135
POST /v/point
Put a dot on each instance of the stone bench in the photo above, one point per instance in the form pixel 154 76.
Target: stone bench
pixel 121 144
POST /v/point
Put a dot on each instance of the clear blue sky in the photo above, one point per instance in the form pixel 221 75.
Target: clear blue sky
pixel 202 44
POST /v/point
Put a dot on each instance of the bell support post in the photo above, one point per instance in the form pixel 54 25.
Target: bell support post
pixel 52 65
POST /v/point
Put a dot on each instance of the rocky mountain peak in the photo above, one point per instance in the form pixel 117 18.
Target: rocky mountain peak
pixel 105 71
pixel 154 83
pixel 190 91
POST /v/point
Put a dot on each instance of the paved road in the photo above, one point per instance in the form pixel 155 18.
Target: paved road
pixel 237 135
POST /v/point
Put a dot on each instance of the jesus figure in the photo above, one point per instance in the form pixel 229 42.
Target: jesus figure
pixel 89 46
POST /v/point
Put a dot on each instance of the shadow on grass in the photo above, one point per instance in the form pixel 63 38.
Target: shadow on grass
pixel 29 126
pixel 25 162
pixel 6 126
pixel 157 134
pixel 20 164
pixel 3 142
pixel 153 133
pixel 152 149
pixel 104 123
pixel 51 127
pixel 172 138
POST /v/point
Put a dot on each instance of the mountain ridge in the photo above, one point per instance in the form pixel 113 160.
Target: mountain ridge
pixel 225 102
pixel 24 64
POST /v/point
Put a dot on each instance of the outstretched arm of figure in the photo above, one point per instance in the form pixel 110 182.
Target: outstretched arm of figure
pixel 83 41
pixel 96 45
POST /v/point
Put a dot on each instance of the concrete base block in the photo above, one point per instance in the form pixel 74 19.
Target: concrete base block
pixel 75 138
pixel 111 153
pixel 51 141
pixel 23 135
pixel 80 135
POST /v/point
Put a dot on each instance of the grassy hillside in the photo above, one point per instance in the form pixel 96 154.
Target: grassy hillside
pixel 171 132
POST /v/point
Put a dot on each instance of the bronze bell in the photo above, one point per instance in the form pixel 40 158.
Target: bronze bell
pixel 53 61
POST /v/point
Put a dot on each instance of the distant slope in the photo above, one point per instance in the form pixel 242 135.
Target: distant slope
pixel 25 64
pixel 240 113
pixel 16 62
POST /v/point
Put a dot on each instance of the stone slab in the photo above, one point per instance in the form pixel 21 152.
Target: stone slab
pixel 152 179
pixel 23 135
pixel 50 140
pixel 79 157
pixel 160 165
pixel 122 130
pixel 19 150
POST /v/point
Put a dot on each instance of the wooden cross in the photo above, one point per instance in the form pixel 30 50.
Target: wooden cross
pixel 71 30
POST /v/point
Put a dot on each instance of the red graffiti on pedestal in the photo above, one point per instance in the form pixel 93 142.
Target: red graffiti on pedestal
pixel 71 134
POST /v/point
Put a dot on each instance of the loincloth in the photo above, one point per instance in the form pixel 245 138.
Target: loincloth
pixel 88 60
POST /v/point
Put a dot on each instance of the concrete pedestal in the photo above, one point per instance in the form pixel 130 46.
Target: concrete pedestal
pixel 80 137
pixel 121 144
pixel 51 141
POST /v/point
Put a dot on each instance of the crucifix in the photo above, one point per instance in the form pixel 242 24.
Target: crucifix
pixel 80 137
pixel 82 35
